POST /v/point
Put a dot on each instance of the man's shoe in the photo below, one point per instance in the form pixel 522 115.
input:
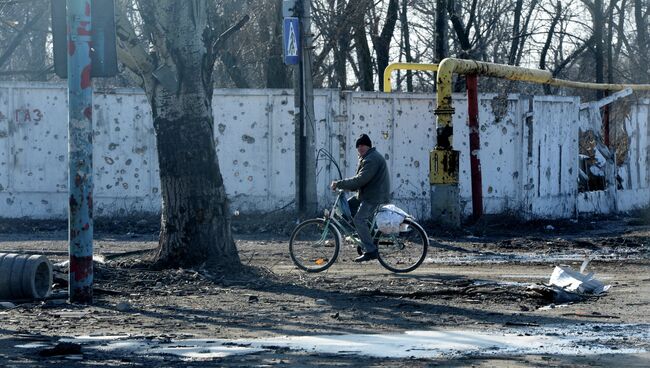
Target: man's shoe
pixel 367 256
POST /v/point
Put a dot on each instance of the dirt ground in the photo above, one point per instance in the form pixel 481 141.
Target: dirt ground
pixel 477 279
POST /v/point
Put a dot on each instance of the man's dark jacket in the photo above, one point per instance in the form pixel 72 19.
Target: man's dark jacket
pixel 372 179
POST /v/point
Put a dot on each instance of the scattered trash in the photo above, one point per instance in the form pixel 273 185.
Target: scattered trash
pixel 573 281
pixel 63 348
pixel 550 227
pixel 253 299
pixel 321 302
pixel 567 285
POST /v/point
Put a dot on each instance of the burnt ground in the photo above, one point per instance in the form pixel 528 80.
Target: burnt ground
pixel 475 279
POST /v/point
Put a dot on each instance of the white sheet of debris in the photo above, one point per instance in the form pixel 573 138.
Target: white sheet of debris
pixel 576 282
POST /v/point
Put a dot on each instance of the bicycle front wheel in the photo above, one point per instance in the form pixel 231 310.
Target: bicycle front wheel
pixel 405 251
pixel 314 245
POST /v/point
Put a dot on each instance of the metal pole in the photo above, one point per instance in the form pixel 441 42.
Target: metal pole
pixel 80 185
pixel 311 197
pixel 302 190
pixel 474 145
pixel 301 177
pixel 606 121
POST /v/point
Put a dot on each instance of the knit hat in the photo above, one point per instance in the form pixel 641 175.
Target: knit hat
pixel 365 140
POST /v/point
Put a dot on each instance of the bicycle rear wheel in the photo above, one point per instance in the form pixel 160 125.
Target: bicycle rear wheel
pixel 405 251
pixel 314 245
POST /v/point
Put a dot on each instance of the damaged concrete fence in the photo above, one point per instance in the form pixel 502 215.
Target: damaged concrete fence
pixel 529 150
pixel 24 276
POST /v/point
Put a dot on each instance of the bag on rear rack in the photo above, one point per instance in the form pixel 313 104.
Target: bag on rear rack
pixel 389 218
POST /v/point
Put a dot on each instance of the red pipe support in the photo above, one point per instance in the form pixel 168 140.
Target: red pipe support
pixel 474 145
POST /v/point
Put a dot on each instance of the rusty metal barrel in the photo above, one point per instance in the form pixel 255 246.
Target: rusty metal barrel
pixel 24 276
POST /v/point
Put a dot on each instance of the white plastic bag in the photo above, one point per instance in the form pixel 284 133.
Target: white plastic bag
pixel 389 218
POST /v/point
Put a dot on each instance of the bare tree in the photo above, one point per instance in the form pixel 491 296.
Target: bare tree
pixel 406 43
pixel 177 78
pixel 641 15
pixel 599 24
pixel 441 30
pixel 381 39
pixel 25 41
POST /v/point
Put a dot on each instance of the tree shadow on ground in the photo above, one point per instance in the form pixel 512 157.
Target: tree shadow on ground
pixel 290 305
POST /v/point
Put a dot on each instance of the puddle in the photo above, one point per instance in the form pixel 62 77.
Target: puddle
pixel 587 339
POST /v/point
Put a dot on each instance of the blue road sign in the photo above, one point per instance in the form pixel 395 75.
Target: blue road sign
pixel 291 44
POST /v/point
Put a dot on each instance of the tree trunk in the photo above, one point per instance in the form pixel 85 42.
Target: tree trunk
pixel 364 58
pixel 342 37
pixel 641 20
pixel 462 31
pixel 620 33
pixel 599 25
pixel 547 44
pixel 524 31
pixel 610 46
pixel 441 30
pixel 195 221
pixel 406 36
pixel 516 33
pixel 381 43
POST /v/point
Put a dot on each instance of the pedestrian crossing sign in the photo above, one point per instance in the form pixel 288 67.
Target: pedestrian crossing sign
pixel 291 44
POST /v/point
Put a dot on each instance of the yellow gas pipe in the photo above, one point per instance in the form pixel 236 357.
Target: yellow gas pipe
pixel 440 156
pixel 449 66
pixel 444 161
pixel 404 66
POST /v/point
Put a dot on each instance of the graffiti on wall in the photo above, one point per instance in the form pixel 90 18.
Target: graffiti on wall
pixel 24 115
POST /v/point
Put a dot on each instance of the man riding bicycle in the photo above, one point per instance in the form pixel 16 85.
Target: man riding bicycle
pixel 372 183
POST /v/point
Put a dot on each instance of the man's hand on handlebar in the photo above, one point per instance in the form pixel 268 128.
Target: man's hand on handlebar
pixel 333 185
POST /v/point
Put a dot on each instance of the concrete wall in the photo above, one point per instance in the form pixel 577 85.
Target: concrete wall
pixel 528 151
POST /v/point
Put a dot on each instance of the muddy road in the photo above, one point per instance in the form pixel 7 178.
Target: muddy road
pixel 470 304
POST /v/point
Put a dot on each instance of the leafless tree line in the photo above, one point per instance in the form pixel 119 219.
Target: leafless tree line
pixel 587 40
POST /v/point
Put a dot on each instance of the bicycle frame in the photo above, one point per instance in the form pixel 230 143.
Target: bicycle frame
pixel 345 227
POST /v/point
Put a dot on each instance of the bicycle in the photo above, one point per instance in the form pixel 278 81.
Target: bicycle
pixel 314 244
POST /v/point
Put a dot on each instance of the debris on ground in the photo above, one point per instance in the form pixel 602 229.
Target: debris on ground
pixel 570 280
pixel 567 285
